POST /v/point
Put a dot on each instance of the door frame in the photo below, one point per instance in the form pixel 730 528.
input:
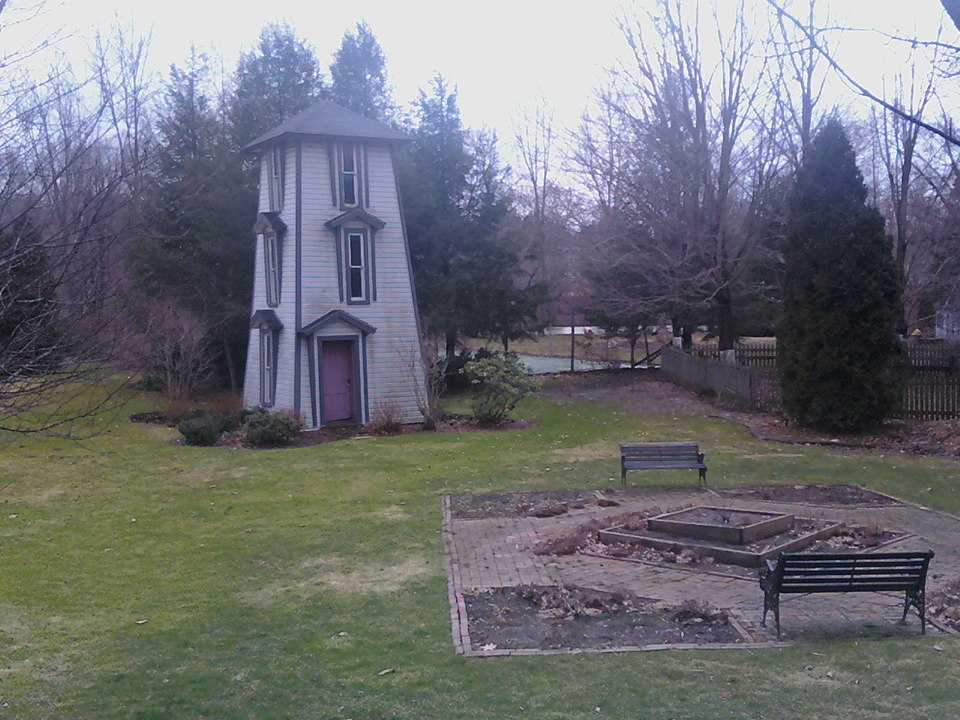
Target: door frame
pixel 358 372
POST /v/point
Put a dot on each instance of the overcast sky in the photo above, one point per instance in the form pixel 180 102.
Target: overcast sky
pixel 502 54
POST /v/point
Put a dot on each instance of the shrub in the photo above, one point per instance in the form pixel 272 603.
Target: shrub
pixel 226 403
pixel 265 428
pixel 501 383
pixel 176 411
pixel 387 418
pixel 203 430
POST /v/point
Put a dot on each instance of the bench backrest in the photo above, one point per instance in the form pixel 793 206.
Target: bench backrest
pixel 661 452
pixel 846 572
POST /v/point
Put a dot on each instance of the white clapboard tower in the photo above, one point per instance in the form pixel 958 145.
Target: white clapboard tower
pixel 334 330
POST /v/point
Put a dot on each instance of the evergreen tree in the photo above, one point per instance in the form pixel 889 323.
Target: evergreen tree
pixel 200 255
pixel 31 340
pixel 359 75
pixel 838 345
pixel 455 203
pixel 277 80
pixel 433 179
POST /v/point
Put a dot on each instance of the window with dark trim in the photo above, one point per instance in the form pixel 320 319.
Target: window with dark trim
pixel 268 366
pixel 275 177
pixel 356 266
pixel 271 264
pixel 349 175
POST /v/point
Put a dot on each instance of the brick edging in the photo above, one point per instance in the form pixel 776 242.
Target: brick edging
pixel 458 609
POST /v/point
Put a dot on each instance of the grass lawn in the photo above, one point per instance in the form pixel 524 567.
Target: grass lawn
pixel 142 579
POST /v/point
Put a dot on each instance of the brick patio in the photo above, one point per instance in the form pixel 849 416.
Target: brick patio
pixel 497 552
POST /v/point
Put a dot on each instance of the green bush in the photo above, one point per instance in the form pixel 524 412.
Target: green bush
pixel 501 382
pixel 203 430
pixel 265 428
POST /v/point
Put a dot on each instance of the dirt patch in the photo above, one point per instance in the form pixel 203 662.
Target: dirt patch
pixel 562 618
pixel 838 494
pixel 546 503
pixel 641 391
pixel 315 575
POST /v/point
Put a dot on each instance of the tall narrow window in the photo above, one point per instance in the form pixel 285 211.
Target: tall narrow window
pixel 349 175
pixel 275 168
pixel 268 361
pixel 271 252
pixel 356 266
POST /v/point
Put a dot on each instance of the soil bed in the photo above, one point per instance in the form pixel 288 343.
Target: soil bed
pixel 943 606
pixel 839 494
pixel 558 618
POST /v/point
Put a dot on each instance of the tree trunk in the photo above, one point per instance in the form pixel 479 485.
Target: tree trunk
pixel 231 368
pixel 725 319
pixel 451 346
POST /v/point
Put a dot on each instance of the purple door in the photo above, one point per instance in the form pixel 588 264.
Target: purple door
pixel 337 380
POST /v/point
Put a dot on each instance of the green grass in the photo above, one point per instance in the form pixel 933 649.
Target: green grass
pixel 142 579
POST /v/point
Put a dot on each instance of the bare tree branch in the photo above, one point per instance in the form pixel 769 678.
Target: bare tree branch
pixel 857 86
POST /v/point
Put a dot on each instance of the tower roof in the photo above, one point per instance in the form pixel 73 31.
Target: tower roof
pixel 327 119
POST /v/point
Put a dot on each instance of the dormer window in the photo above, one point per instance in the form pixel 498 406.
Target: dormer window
pixel 350 189
pixel 354 233
pixel 275 177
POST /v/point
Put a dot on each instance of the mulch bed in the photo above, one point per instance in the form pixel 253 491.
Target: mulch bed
pixel 545 503
pixel 943 606
pixel 549 503
pixel 838 494
pixel 451 423
pixel 563 618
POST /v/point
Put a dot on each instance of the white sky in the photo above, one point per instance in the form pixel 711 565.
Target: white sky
pixel 502 54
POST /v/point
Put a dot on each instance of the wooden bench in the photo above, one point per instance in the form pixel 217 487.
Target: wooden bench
pixel 847 572
pixel 661 456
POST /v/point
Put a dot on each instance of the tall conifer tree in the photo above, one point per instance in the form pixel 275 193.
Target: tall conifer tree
pixel 278 79
pixel 838 345
pixel 359 75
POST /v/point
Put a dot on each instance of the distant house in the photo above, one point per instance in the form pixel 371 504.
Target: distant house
pixel 948 322
pixel 334 330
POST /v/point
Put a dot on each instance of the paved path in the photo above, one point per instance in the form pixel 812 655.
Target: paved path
pixel 497 552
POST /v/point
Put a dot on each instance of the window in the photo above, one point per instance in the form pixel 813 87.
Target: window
pixel 349 175
pixel 271 252
pixel 356 266
pixel 275 173
pixel 268 365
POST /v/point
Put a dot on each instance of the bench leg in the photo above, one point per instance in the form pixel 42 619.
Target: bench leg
pixel 623 477
pixel 771 601
pixel 703 478
pixel 918 600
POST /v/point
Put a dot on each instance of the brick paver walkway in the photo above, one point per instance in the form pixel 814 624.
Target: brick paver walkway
pixel 497 552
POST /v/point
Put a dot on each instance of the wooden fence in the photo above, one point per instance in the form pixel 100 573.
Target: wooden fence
pixel 931 388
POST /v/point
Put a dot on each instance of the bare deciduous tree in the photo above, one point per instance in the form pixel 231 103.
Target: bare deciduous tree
pixel 71 160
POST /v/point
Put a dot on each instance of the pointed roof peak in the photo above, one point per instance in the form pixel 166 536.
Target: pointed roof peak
pixel 327 119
